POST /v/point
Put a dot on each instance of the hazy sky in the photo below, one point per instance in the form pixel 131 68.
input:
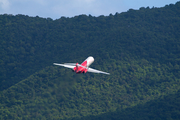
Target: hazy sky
pixel 70 8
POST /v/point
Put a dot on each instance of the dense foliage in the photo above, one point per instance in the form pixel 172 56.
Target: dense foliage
pixel 140 48
pixel 164 108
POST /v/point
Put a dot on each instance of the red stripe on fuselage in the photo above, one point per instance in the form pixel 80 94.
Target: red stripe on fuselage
pixel 84 64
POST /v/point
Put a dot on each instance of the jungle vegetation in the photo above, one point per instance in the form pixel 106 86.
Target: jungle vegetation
pixel 140 48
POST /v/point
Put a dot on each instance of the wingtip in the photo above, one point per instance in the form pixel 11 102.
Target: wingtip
pixel 56 64
pixel 106 73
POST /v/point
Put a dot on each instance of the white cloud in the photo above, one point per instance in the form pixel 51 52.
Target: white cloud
pixel 4 4
pixel 41 2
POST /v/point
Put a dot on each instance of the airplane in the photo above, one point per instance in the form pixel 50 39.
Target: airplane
pixel 83 67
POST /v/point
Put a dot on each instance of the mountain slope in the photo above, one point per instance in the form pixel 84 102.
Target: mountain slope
pixel 57 93
pixel 140 48
pixel 164 108
pixel 29 44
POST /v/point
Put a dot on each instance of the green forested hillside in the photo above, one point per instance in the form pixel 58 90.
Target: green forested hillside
pixel 140 48
pixel 164 108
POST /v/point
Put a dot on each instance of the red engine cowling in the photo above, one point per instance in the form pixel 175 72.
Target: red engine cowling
pixel 85 71
pixel 75 68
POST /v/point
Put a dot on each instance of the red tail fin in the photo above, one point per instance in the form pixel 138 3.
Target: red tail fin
pixel 76 66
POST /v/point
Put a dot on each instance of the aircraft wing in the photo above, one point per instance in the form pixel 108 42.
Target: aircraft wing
pixel 66 65
pixel 97 71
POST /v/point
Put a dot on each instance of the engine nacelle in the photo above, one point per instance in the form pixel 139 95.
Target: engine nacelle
pixel 85 71
pixel 75 68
